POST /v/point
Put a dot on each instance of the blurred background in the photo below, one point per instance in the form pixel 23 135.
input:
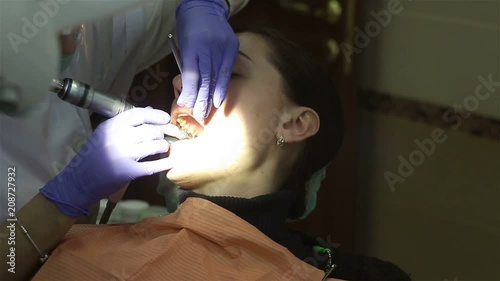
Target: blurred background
pixel 417 181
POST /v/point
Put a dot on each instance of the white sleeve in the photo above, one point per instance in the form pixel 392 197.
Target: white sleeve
pixel 160 21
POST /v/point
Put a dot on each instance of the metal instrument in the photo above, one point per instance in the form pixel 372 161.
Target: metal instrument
pixel 175 52
pixel 82 95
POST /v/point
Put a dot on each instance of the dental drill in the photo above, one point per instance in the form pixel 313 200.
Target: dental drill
pixel 82 95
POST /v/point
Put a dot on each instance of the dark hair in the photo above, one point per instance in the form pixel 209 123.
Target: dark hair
pixel 306 83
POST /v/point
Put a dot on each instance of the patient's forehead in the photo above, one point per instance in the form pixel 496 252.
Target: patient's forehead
pixel 254 45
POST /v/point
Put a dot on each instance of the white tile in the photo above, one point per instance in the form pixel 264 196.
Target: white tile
pixel 443 220
pixel 435 51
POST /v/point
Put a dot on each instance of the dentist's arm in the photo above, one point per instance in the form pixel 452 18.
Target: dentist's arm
pixel 46 226
pixel 105 163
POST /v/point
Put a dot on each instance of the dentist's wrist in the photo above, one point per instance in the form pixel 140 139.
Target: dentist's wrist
pixel 66 208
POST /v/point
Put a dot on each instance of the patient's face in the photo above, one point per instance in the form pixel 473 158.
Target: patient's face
pixel 240 135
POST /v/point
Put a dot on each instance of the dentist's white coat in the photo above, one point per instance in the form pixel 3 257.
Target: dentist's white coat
pixel 41 143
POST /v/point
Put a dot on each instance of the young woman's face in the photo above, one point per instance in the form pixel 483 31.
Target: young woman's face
pixel 239 137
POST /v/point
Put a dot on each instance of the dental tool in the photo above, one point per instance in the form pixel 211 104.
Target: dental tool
pixel 82 95
pixel 175 51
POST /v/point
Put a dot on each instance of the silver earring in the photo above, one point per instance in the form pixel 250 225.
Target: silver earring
pixel 280 141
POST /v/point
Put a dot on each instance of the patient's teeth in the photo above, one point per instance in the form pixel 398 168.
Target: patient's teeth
pixel 182 135
pixel 185 124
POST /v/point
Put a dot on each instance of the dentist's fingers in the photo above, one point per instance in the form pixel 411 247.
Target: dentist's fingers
pixel 170 130
pixel 224 74
pixel 139 116
pixel 144 133
pixel 202 105
pixel 190 80
pixel 156 166
pixel 148 148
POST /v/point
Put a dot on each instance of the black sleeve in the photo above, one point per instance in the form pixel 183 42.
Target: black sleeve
pixel 359 268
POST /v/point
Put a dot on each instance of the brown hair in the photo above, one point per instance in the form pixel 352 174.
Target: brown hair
pixel 306 83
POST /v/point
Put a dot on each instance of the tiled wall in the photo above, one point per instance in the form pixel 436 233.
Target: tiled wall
pixel 435 51
pixel 441 219
pixel 438 214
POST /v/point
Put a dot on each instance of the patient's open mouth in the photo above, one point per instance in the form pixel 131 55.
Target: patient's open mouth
pixel 182 128
pixel 189 125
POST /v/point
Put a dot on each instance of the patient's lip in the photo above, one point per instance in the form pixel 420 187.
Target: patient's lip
pixel 178 110
pixel 185 114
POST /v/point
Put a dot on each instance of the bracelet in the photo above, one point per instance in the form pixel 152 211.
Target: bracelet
pixel 43 256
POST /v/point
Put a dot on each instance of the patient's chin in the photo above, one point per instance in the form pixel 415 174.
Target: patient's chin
pixel 173 176
pixel 182 178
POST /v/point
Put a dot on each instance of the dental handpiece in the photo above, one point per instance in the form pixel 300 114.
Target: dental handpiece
pixel 82 95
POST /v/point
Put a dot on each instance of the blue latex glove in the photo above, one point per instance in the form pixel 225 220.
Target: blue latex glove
pixel 208 48
pixel 109 160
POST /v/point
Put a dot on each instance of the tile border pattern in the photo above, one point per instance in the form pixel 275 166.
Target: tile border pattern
pixel 431 114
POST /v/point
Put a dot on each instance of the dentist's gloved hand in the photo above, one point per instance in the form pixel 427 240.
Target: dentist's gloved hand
pixel 109 160
pixel 208 48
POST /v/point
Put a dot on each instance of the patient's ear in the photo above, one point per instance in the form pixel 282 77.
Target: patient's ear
pixel 303 122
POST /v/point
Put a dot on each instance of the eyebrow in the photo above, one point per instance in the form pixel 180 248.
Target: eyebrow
pixel 244 55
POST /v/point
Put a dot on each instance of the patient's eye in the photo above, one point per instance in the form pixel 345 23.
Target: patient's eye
pixel 234 75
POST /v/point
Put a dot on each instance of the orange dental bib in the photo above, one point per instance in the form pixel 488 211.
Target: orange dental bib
pixel 200 241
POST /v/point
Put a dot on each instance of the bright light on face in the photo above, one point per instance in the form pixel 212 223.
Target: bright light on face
pixel 238 137
pixel 214 154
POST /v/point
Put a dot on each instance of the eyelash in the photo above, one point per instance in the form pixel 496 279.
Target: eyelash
pixel 233 75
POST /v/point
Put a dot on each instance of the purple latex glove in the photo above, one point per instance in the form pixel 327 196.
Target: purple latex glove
pixel 208 48
pixel 109 160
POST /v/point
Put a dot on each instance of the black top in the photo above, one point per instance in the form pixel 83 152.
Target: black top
pixel 268 213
